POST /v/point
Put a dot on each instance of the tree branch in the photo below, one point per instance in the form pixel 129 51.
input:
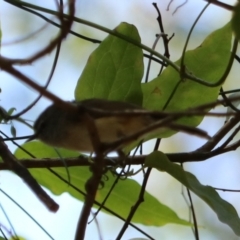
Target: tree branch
pixel 14 165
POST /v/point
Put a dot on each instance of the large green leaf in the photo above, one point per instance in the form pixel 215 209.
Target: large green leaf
pixel 114 70
pixel 123 197
pixel 224 210
pixel 208 61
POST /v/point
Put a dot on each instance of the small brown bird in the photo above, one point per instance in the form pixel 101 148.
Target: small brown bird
pixel 66 128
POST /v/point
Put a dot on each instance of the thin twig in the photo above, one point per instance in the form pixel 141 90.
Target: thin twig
pixel 230 138
pixel 64 30
pixel 46 85
pixel 164 36
pixel 189 35
pixel 221 4
pixel 227 101
pixel 54 23
pixel 94 181
pixel 195 230
pixel 209 145
pixel 135 207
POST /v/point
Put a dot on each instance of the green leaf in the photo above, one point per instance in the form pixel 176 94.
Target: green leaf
pixel 123 197
pixel 13 131
pixel 3 114
pixel 114 70
pixel 11 110
pixel 224 210
pixel 236 20
pixel 208 61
